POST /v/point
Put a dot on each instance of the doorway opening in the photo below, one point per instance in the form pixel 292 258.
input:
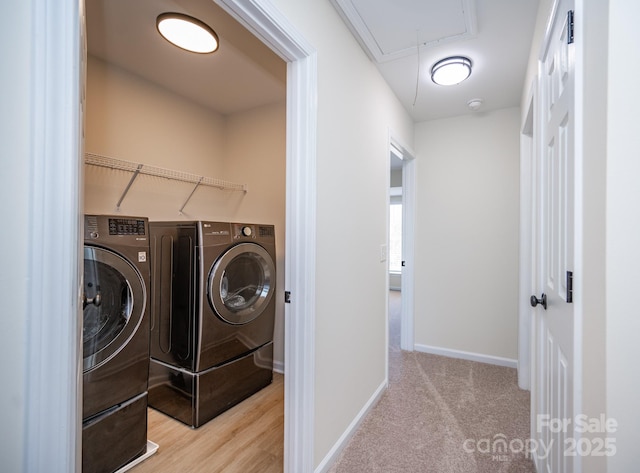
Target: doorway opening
pixel 268 24
pixel 400 243
pixel 60 132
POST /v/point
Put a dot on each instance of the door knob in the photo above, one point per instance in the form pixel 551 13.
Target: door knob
pixel 542 301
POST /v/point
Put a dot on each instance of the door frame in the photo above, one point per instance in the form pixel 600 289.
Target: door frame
pixel 408 239
pixel 528 229
pixel 56 164
pixel 52 362
pixel 408 244
pixel 270 26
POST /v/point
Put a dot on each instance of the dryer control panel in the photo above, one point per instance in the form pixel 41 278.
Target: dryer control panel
pixel 242 230
pixel 253 231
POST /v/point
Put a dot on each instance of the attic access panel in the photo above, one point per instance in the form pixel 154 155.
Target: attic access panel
pixel 390 30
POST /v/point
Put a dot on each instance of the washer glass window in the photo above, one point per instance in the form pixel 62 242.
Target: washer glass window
pixel 110 311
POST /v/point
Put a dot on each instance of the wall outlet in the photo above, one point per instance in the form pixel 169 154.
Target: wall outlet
pixel 383 253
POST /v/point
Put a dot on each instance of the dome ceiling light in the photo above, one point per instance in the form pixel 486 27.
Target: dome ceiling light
pixel 187 33
pixel 451 71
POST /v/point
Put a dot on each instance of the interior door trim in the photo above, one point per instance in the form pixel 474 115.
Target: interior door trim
pixel 273 28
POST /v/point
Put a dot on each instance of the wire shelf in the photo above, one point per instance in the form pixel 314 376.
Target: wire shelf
pixel 137 168
pixel 113 163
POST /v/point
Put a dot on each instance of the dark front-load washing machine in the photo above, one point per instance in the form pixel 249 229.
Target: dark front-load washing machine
pixel 115 341
pixel 212 316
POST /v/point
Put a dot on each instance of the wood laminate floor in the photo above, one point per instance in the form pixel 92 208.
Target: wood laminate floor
pixel 248 438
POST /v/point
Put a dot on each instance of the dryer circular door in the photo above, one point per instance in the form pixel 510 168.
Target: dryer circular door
pixel 113 302
pixel 241 283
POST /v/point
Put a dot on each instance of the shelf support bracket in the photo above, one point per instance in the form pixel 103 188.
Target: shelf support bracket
pixel 133 178
pixel 190 195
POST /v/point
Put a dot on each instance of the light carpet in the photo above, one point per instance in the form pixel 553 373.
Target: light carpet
pixel 441 415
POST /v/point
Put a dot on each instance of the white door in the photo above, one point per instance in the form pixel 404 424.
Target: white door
pixel 555 372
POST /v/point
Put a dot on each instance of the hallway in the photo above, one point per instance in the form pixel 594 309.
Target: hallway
pixel 441 414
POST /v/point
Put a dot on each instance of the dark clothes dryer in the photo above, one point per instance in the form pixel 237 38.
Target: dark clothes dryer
pixel 115 341
pixel 212 316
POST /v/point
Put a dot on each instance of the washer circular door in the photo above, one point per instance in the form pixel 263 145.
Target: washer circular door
pixel 241 283
pixel 113 301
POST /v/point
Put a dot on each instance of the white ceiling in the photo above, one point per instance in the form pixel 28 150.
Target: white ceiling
pixel 244 73
pixel 405 38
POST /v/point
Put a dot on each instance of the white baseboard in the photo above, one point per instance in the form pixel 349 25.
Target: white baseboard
pixel 278 366
pixel 331 457
pixel 465 355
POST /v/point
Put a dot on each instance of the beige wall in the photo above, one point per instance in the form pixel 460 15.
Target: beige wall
pixel 132 119
pixel 466 252
pixel 356 112
pixel 623 233
pixel 396 178
pixel 591 234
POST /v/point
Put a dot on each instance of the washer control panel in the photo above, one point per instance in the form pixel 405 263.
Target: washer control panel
pixel 116 230
pixel 126 226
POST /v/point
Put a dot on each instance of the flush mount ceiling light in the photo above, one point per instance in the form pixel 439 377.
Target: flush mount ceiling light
pixel 451 71
pixel 187 33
